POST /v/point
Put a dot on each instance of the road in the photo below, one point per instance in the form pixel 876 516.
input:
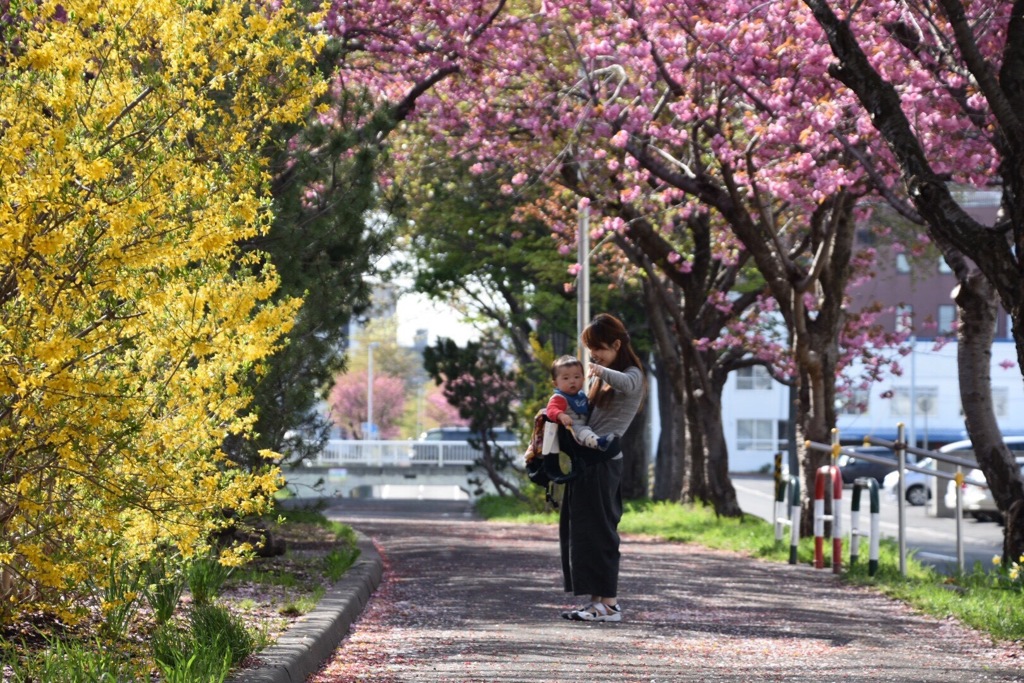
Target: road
pixel 933 539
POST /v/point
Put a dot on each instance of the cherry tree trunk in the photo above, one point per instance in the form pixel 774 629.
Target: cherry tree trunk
pixel 673 454
pixel 636 444
pixel 815 413
pixel 710 462
pixel 978 311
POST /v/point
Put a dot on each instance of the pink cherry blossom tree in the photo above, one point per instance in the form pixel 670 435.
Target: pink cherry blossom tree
pixel 707 137
pixel 348 403
pixel 657 117
pixel 439 411
pixel 963 61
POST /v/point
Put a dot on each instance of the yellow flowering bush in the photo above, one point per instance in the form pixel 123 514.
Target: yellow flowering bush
pixel 131 139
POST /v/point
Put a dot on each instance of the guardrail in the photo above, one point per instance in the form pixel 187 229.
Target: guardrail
pixel 830 473
pixel 400 453
pixel 787 491
pixel 341 452
pixel 874 533
pixel 900 448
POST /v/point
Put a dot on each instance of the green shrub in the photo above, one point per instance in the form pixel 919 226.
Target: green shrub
pixel 214 624
pixel 74 661
pixel 338 561
pixel 164 588
pixel 207 649
pixel 120 589
pixel 206 576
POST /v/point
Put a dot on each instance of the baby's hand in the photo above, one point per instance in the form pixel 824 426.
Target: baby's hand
pixel 565 419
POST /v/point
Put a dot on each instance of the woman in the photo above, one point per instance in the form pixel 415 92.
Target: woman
pixel 592 503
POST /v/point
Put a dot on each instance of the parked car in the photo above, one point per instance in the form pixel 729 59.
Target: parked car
pixel 852 468
pixel 451 444
pixel 977 500
pixel 918 484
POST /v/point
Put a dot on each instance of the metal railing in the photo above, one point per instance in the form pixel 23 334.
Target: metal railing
pixel 900 448
pixel 402 453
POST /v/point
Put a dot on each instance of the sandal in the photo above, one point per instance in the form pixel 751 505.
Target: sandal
pixel 598 611
pixel 569 614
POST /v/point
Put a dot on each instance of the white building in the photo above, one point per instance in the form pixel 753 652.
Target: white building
pixel 926 399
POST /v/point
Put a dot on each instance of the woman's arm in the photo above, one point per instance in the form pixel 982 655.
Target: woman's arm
pixel 615 417
pixel 628 382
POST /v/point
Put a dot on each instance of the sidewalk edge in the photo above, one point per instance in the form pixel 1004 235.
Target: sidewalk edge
pixel 311 640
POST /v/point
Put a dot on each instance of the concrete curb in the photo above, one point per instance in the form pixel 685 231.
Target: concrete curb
pixel 312 639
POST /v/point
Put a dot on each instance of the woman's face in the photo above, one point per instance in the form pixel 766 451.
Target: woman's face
pixel 604 355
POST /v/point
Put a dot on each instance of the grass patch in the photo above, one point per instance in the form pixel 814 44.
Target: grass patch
pixel 507 509
pixel 309 514
pixel 303 605
pixel 273 577
pixel 74 661
pixel 203 639
pixel 991 602
pixel 206 648
pixel 337 562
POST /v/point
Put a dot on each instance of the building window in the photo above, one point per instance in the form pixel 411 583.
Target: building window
pixel 905 319
pixel 927 401
pixel 753 377
pixel 853 403
pixel 902 263
pixel 947 319
pixel 755 435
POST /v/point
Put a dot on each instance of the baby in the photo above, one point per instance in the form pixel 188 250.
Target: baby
pixel 569 407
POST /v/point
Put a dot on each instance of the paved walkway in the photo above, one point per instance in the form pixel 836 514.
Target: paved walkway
pixel 467 600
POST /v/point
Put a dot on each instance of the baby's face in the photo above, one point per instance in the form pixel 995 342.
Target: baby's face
pixel 569 379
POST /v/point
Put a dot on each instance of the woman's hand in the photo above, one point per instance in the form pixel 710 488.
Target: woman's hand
pixel 595 370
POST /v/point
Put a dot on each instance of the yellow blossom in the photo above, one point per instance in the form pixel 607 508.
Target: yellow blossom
pixel 134 324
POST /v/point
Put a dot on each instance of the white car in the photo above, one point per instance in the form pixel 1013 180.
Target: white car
pixel 977 500
pixel 918 485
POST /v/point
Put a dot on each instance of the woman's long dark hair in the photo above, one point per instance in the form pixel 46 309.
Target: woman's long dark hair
pixel 602 332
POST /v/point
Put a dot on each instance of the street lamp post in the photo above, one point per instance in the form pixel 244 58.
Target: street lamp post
pixel 912 430
pixel 583 277
pixel 369 388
